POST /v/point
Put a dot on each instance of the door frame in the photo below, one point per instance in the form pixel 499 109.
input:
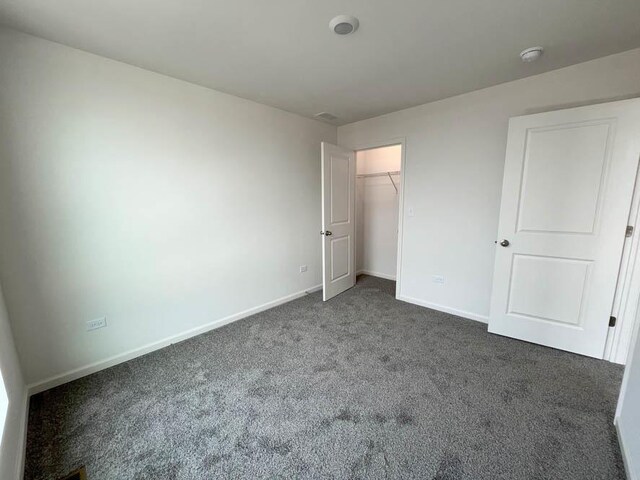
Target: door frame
pixel 402 141
pixel 625 307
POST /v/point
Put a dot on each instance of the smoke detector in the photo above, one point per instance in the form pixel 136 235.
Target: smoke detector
pixel 531 54
pixel 344 24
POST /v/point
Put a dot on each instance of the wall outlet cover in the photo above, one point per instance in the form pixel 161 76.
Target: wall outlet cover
pixel 437 279
pixel 96 323
pixel 303 268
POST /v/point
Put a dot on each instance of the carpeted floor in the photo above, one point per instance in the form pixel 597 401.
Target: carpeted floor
pixel 363 386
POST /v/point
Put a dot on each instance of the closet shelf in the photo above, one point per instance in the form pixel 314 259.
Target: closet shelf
pixel 381 174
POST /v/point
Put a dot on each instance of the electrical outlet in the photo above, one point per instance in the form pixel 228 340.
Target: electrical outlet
pixel 96 323
pixel 437 279
pixel 410 212
pixel 303 268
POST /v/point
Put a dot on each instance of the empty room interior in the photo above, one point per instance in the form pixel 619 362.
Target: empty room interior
pixel 319 239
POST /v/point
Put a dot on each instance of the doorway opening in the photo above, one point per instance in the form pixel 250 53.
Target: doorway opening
pixel 362 192
pixel 378 193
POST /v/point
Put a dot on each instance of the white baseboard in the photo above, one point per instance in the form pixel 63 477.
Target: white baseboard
pixel 376 274
pixel 22 452
pixel 85 370
pixel 441 308
pixel 632 473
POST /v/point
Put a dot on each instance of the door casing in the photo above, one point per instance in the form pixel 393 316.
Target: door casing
pixel 403 147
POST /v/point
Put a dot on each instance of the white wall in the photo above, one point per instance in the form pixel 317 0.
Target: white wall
pixel 12 439
pixel 453 173
pixel 628 412
pixel 381 159
pixel 377 212
pixel 163 205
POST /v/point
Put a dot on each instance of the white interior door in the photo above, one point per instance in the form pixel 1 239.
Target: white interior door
pixel 568 182
pixel 338 219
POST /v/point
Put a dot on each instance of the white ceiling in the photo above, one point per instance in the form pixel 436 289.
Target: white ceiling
pixel 282 53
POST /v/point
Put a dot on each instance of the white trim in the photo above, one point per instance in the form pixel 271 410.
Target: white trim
pixel 442 308
pixel 137 352
pixel 632 470
pixel 317 288
pixel 22 436
pixel 629 362
pixel 625 302
pixel 376 274
pixel 632 473
pixel 402 141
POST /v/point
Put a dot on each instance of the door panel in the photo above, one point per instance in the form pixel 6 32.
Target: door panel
pixel 341 209
pixel 544 203
pixel 547 288
pixel 338 222
pixel 339 257
pixel 567 189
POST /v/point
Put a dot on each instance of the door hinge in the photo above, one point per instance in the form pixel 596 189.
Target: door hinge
pixel 629 231
pixel 612 321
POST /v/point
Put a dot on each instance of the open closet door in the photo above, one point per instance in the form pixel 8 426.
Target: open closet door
pixel 568 182
pixel 338 220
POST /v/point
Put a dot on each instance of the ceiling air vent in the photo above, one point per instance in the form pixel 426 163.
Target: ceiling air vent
pixel 326 116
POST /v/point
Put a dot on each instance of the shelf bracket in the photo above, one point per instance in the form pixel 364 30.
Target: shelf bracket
pixel 394 183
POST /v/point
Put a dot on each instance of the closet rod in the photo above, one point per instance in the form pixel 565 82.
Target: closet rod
pixel 381 174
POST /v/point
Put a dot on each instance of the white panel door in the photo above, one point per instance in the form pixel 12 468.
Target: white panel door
pixel 338 222
pixel 568 182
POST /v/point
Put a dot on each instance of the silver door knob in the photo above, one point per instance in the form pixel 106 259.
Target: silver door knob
pixel 327 233
pixel 505 243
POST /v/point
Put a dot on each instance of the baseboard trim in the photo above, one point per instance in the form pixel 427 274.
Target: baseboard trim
pixel 22 436
pixel 626 459
pixel 441 308
pixel 85 370
pixel 376 274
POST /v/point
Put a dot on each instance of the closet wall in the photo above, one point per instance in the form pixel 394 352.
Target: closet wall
pixel 377 211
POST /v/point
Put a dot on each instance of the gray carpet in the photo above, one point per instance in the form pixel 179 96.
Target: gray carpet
pixel 363 386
